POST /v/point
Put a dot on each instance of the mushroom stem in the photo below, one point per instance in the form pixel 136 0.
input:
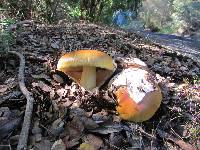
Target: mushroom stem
pixel 88 77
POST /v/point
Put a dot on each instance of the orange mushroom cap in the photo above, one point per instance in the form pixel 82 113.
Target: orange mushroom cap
pixel 138 96
pixel 85 57
pixel 89 68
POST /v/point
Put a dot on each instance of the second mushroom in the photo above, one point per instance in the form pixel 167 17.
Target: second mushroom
pixel 137 93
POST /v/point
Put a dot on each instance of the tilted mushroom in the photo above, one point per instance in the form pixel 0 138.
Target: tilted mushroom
pixel 89 68
pixel 138 96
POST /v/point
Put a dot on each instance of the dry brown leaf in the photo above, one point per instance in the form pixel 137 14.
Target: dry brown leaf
pixel 89 124
pixel 58 78
pixel 43 145
pixel 75 128
pixel 183 145
pixel 70 143
pixel 80 114
pixel 42 86
pixel 55 45
pixel 58 145
pixel 8 84
pixel 57 127
pixel 86 146
pixel 3 89
pixel 62 92
pixel 107 128
pixel 96 141
pixel 42 76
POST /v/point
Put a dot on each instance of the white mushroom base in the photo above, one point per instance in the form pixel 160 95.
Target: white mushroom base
pixel 140 97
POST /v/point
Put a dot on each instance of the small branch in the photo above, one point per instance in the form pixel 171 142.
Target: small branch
pixel 182 144
pixel 147 134
pixel 23 138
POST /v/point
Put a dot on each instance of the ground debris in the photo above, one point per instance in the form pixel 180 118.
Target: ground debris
pixel 58 145
pixel 67 116
pixel 9 121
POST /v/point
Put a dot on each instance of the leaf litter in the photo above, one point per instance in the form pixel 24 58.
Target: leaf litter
pixel 67 117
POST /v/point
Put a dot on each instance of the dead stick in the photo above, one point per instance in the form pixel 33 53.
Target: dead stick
pixel 23 138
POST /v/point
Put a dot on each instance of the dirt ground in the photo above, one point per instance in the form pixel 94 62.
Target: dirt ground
pixel 67 117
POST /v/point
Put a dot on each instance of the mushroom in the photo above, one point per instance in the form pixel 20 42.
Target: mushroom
pixel 89 68
pixel 137 94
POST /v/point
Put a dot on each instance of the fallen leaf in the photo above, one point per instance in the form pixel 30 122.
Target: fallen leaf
pixel 3 88
pixel 58 78
pixel 8 84
pixel 42 76
pixel 57 127
pixel 43 145
pixel 55 45
pixel 10 80
pixel 12 95
pixel 100 117
pixel 75 128
pixel 42 86
pixel 134 140
pixel 96 141
pixel 80 114
pixel 116 139
pixel 89 124
pixel 107 128
pixel 9 121
pixel 65 102
pixel 183 145
pixel 86 146
pixel 58 145
pixel 7 127
pixel 37 131
pixel 62 92
pixel 70 143
pixel 45 88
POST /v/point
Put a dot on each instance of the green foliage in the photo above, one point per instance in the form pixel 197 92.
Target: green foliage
pixel 167 16
pixel 155 13
pixel 191 13
pixel 6 37
pixel 186 14
pixel 75 12
pixel 52 11
pixel 110 6
pixel 168 28
pixel 7 21
pixel 178 12
pixel 170 15
pixel 105 13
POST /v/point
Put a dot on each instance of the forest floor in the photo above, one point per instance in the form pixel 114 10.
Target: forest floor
pixel 65 116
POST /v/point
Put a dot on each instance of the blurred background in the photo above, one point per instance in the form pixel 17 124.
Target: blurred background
pixel 178 17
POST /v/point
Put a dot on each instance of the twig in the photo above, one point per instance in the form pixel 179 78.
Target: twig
pixel 182 144
pixel 22 144
pixel 147 134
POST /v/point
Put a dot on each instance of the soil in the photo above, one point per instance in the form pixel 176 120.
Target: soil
pixel 67 117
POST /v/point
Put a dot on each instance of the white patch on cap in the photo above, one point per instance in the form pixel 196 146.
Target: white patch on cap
pixel 135 81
